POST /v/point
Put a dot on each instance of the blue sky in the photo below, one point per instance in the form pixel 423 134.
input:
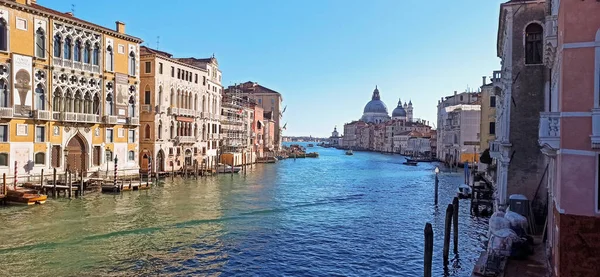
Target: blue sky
pixel 324 56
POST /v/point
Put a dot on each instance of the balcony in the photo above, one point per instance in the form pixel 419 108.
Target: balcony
pixel 42 115
pixel 132 121
pixel 495 149
pixel 185 139
pixel 6 112
pixel 109 119
pixel 186 112
pixel 146 109
pixel 68 116
pixel 161 109
pixel 549 132
pixel 75 65
pixel 595 128
pixel 173 111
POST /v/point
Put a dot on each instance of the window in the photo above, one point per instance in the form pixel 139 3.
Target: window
pixel 86 53
pixel 67 49
pixel 196 78
pixel 533 44
pixel 147 132
pixel 40 43
pixel 160 130
pixel 109 135
pixel 148 67
pixel 109 155
pixel 3 35
pixel 21 24
pixel 131 136
pixel 57 46
pixel 131 156
pixel 121 49
pixel 40 97
pixel 96 54
pixel 160 68
pixel 492 128
pixel 40 158
pixel 131 107
pixel 96 155
pixel 3 133
pixel 109 58
pixel 77 51
pixel 147 97
pixel 4 95
pixel 171 151
pixel 178 73
pixel 3 159
pixel 109 104
pixel 132 63
pixel 492 101
pixel 40 133
pixel 172 71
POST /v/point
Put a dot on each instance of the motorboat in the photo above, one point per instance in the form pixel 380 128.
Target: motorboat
pixel 349 152
pixel 25 197
pixel 311 145
pixel 410 162
pixel 223 168
pixel 464 191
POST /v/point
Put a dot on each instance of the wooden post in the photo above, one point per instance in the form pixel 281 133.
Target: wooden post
pixel 437 183
pixel 4 191
pixel 428 250
pixel 196 170
pixel 455 223
pixel 81 193
pixel 447 230
pixel 147 180
pixel 54 183
pixel 172 170
pixel 70 184
pixel 42 181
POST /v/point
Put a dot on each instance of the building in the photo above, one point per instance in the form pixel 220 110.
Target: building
pixel 521 89
pixel 269 134
pixel 70 93
pixel 487 130
pixel 334 139
pixel 375 111
pixel 459 140
pixel 569 133
pixel 268 100
pixel 237 117
pixel 442 114
pixel 174 113
pixel 258 130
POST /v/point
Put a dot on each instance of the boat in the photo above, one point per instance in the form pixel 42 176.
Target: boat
pixel 410 162
pixel 266 160
pixel 349 152
pixel 464 191
pixel 312 155
pixel 223 168
pixel 311 145
pixel 25 197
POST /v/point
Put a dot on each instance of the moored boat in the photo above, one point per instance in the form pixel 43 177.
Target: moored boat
pixel 463 191
pixel 349 152
pixel 25 197
pixel 223 168
pixel 312 155
pixel 410 162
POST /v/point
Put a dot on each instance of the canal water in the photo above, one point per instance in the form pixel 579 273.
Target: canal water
pixel 337 215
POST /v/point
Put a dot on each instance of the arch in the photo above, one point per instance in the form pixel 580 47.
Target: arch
pixel 109 58
pixel 39 158
pixel 109 104
pixel 4 93
pixel 147 131
pixel 195 101
pixel 57 100
pixel 40 43
pixel 87 103
pixel 172 97
pixel 96 104
pixel 77 102
pixel 160 129
pixel 131 106
pixel 77 153
pixel 3 35
pixel 87 51
pixel 77 51
pixel 57 46
pixel 132 63
pixel 96 54
pixel 160 161
pixel 67 45
pixel 159 98
pixel 534 38
pixel 40 97
pixel 68 101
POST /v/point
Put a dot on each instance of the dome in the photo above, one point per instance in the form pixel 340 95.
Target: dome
pixel 376 105
pixel 399 111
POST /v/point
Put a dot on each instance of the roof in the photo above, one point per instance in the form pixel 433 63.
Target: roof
pixel 64 17
pixel 196 61
pixel 144 50
pixel 463 107
pixel 251 87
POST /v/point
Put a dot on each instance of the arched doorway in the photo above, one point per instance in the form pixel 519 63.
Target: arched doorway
pixel 160 161
pixel 144 163
pixel 188 157
pixel 77 154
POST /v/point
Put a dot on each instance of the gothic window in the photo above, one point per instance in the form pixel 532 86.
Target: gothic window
pixel 67 49
pixel 57 100
pixel 172 98
pixel 96 104
pixel 77 51
pixel 147 96
pixel 68 102
pixel 131 156
pixel 4 95
pixel 195 101
pixel 159 99
pixel 109 58
pixel 40 43
pixel 147 132
pixel 171 131
pixel 131 106
pixel 96 54
pixel 132 63
pixel 533 44
pixel 40 98
pixel 77 102
pixel 57 46
pixel 86 53
pixel 3 35
pixel 109 104
pixel 87 103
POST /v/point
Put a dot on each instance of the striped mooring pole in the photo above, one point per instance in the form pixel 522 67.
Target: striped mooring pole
pixel 16 174
pixel 115 180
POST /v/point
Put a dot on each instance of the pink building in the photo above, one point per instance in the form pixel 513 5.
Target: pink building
pixel 570 135
pixel 258 127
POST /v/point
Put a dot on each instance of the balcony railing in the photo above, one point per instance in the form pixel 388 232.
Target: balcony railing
pixel 549 132
pixel 161 109
pixel 132 121
pixel 6 112
pixel 185 139
pixel 41 115
pixel 173 111
pixel 595 128
pixel 186 112
pixel 146 109
pixel 109 119
pixel 76 65
pixel 495 149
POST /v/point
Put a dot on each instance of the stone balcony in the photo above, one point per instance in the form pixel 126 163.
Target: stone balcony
pixel 67 63
pixel 186 112
pixel 75 117
pixel 185 139
pixel 173 111
pixel 549 132
pixel 161 108
pixel 497 78
pixel 132 121
pixel 42 115
pixel 6 112
pixel 595 128
pixel 109 119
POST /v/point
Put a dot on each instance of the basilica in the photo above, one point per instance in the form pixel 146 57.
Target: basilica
pixel 376 111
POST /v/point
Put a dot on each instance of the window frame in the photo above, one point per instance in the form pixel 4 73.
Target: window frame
pixel 130 155
pixel 43 130
pixel 492 131
pixel 535 44
pixel 7 159
pixel 112 135
pixel 492 101
pixel 131 136
pixel 148 67
pixel 7 133
pixel 35 158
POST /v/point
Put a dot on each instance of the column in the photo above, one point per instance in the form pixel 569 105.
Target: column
pixel 502 184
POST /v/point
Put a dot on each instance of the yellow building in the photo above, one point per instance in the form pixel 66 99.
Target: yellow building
pixel 68 92
pixel 487 131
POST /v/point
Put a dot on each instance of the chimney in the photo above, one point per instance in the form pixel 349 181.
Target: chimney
pixel 69 13
pixel 120 27
pixel 483 80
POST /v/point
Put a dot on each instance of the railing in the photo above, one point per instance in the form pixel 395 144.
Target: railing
pixel 133 121
pixel 161 109
pixel 41 115
pixel 549 132
pixel 6 112
pixel 495 149
pixel 109 119
pixel 75 65
pixel 186 112
pixel 173 111
pixel 185 139
pixel 76 117
pixel 146 109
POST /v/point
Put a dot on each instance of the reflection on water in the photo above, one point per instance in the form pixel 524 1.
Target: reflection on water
pixel 359 215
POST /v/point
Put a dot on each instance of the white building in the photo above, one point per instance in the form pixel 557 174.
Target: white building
pixel 459 138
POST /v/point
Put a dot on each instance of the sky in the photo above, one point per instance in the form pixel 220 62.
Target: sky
pixel 324 56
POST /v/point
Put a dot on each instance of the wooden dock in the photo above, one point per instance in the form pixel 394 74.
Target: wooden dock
pixel 120 185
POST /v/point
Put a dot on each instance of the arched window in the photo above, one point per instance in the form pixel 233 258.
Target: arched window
pixel 4 95
pixel 160 129
pixel 78 102
pixel 40 97
pixel 109 104
pixel 109 58
pixel 67 48
pixel 131 106
pixel 132 63
pixel 77 51
pixel 86 53
pixel 3 35
pixel 96 104
pixel 57 100
pixel 57 46
pixel 87 103
pixel 203 103
pixel 131 156
pixel 40 43
pixel 534 35
pixel 159 99
pixel 68 102
pixel 147 131
pixel 172 97
pixel 196 102
pixel 196 130
pixel 96 54
pixel 40 158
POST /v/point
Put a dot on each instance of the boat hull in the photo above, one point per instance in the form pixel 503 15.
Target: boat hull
pixel 25 197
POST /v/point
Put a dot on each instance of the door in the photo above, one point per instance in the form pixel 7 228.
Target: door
pixel 77 154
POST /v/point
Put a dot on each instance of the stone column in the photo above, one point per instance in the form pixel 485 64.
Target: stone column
pixel 501 184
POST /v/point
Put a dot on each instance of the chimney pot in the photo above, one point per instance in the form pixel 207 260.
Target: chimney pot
pixel 483 80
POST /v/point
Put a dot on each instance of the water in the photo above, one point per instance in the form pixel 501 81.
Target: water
pixel 337 215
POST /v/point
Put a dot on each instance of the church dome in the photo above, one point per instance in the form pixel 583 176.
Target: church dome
pixel 399 111
pixel 376 105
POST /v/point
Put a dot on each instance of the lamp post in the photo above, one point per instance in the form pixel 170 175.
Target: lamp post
pixel 437 181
